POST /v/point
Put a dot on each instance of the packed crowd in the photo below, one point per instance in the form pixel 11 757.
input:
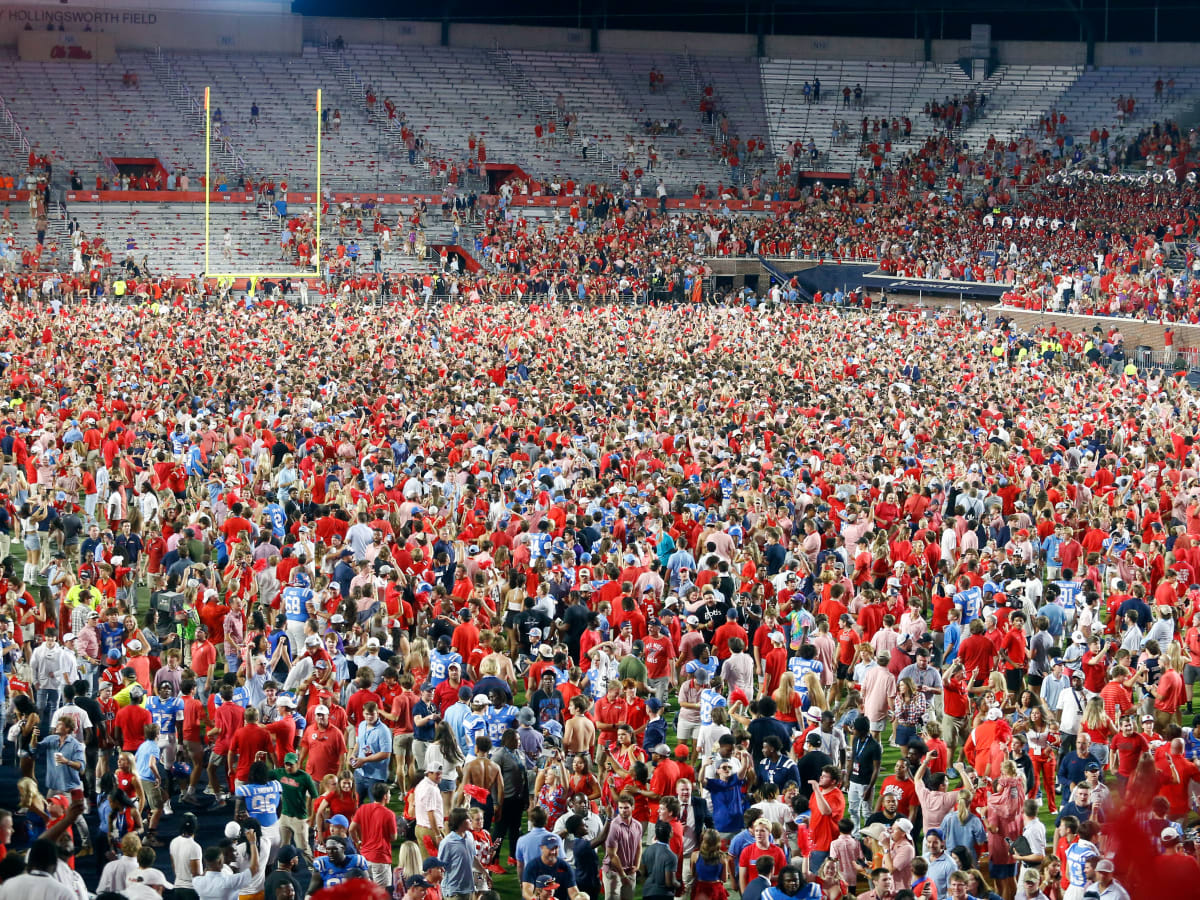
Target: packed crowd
pixel 611 600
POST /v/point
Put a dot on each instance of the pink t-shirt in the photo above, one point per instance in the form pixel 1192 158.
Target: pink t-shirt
pixel 845 850
pixel 902 864
pixel 877 687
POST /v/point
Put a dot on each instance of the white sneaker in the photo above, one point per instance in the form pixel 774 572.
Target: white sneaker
pixel 167 808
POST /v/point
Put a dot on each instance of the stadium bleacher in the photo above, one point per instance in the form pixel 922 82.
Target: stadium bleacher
pixel 170 236
pixel 83 117
pixel 1092 98
pixel 80 116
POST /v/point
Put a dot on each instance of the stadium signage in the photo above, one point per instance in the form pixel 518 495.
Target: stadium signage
pixel 80 17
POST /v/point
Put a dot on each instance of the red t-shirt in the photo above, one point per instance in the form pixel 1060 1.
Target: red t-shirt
pixel 752 852
pixel 204 656
pixel 1094 675
pixel 376 831
pixel 283 732
pixel 248 741
pixel 132 720
pixel 1128 750
pixel 325 750
pixel 954 697
pixel 193 716
pixel 976 654
pixel 908 793
pixel 824 828
pixel 658 655
pixel 228 717
pixel 354 705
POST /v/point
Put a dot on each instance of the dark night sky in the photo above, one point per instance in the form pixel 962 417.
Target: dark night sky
pixel 1065 20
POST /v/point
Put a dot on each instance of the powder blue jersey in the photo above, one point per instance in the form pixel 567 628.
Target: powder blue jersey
pixel 332 874
pixel 262 801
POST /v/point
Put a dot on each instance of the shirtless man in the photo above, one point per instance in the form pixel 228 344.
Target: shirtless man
pixel 484 773
pixel 579 734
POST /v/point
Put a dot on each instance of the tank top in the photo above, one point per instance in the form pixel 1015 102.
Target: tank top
pixel 709 871
pixel 125 784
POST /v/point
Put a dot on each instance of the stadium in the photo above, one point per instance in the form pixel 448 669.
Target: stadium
pixel 561 451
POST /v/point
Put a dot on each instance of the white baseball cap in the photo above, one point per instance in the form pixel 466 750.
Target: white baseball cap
pixel 150 876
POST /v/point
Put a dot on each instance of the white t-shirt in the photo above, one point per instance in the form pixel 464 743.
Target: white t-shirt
pixel 35 887
pixel 1035 833
pixel 183 850
pixel 706 741
pixel 220 886
pixel 1070 709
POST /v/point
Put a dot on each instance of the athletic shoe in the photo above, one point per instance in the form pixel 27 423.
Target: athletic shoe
pixel 167 808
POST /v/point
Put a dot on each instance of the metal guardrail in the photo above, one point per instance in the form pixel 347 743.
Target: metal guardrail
pixel 196 107
pixel 1175 358
pixel 14 128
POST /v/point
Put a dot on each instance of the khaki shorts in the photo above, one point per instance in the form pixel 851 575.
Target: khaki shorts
pixel 954 730
pixel 402 745
pixel 153 794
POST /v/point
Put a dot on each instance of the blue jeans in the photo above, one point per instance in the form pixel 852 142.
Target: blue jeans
pixel 363 785
pixel 232 660
pixel 904 734
pixel 47 703
pixel 816 859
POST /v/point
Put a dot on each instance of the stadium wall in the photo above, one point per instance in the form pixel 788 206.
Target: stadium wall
pixel 1136 333
pixel 172 29
pixel 264 26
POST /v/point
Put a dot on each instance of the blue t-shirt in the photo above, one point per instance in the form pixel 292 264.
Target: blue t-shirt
pixel 194 464
pixel 295 599
pixel 709 700
pixel 1068 594
pixel 165 713
pixel 439 664
pixel 331 874
pixel 112 637
pixel 424 732
pixel 655 733
pixel 1077 856
pixel 970 602
pixel 147 751
pixel 278 519
pixel 801 667
pixel 262 801
pixel 500 719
